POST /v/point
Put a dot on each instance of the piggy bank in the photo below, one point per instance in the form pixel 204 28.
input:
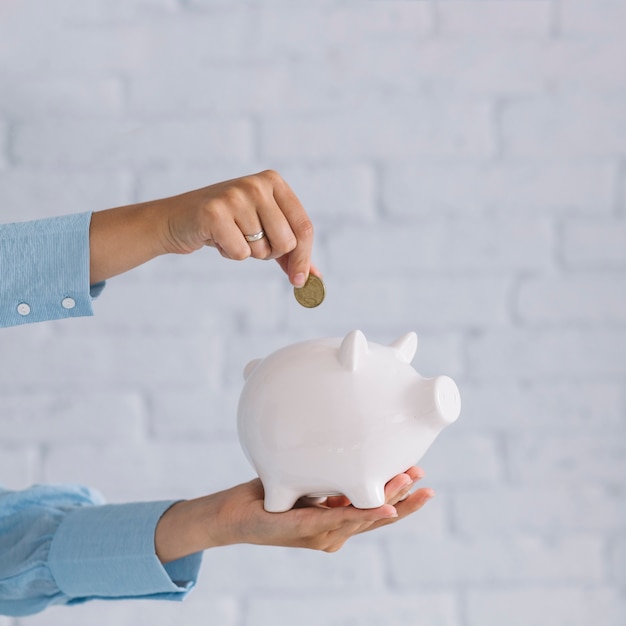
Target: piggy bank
pixel 339 416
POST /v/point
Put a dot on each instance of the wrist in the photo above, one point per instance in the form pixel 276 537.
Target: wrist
pixel 123 238
pixel 187 527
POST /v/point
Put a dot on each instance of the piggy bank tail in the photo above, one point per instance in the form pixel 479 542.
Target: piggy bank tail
pixel 438 401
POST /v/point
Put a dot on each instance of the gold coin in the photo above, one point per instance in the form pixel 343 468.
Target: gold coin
pixel 312 293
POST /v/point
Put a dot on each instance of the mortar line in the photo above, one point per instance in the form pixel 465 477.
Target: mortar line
pixel 9 143
pixel 436 19
pixel 554 26
pixel 619 190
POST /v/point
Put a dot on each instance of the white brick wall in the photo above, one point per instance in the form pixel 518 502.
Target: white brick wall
pixel 464 165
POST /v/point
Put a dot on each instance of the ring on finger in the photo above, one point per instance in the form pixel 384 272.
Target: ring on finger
pixel 255 237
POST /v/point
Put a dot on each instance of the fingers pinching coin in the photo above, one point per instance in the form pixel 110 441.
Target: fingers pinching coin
pixel 312 293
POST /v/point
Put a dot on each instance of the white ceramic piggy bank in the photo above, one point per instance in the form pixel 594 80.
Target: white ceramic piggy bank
pixel 333 416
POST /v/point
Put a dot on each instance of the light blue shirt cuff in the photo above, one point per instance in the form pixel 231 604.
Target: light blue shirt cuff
pixel 108 552
pixel 44 270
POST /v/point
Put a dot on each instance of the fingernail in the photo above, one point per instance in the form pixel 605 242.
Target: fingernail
pixel 299 280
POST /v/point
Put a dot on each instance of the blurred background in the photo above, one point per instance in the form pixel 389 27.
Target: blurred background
pixel 464 164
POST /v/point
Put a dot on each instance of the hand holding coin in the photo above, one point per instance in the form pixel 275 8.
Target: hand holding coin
pixel 312 293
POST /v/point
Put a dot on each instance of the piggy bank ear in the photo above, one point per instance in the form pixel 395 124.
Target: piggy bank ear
pixel 248 369
pixel 406 346
pixel 352 350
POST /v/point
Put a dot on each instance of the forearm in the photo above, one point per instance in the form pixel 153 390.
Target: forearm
pixel 125 237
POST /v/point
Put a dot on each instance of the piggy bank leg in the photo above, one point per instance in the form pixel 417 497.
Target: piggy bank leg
pixel 367 496
pixel 279 499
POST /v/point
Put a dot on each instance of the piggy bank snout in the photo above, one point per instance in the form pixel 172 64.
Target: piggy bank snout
pixel 438 400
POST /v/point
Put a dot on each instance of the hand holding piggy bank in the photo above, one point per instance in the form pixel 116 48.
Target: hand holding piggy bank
pixel 330 416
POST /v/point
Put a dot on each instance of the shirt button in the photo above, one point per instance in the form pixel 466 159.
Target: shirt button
pixel 23 308
pixel 68 303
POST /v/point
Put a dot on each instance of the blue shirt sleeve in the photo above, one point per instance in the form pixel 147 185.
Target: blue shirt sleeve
pixel 44 270
pixel 63 545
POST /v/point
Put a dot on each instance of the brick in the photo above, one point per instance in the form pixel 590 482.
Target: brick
pixel 288 30
pixel 356 568
pixel 377 21
pixel 19 465
pixel 555 407
pixel 160 470
pixel 32 194
pixel 101 12
pixel 436 128
pixel 351 75
pixel 589 17
pixel 503 188
pixel 57 417
pixel 100 51
pixel 199 606
pixel 46 97
pixel 561 511
pixel 564 126
pixel 76 144
pixel 478 66
pixel 296 31
pixel 594 244
pixel 88 11
pixel 347 77
pixel 463 245
pixel 210 90
pixel 586 65
pixel 516 559
pixel 584 298
pixel 395 609
pixel 194 413
pixel 511 19
pixel 208 307
pixel 537 606
pixel 556 355
pixel 456 460
pixel 125 39
pixel 63 362
pixel 198 39
pixel 568 460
